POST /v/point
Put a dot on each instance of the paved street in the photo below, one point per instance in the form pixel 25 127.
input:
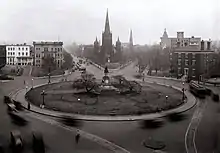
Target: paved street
pixel 128 135
pixel 52 134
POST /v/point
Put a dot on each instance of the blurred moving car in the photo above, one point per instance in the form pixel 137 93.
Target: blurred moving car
pixel 16 140
pixel 11 107
pixel 5 77
pixel 38 142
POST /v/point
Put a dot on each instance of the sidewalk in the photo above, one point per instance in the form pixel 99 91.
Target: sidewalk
pixel 191 101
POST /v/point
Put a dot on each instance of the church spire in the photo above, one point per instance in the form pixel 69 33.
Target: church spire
pixel 107 26
pixel 165 35
pixel 131 38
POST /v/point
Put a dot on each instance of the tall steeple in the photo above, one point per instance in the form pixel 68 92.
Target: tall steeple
pixel 107 26
pixel 131 39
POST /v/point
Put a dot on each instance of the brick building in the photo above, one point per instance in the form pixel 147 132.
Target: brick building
pixel 2 56
pixel 191 63
pixel 52 49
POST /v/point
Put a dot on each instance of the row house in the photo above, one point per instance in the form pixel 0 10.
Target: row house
pixel 45 49
pixel 18 54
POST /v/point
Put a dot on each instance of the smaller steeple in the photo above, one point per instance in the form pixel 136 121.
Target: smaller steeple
pixel 165 35
pixel 118 40
pixel 131 38
pixel 96 41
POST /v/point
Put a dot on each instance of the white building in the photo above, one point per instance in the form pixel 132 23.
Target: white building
pixel 18 54
pixel 180 41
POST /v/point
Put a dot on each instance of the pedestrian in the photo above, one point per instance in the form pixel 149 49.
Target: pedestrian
pixel 77 137
pixel 24 82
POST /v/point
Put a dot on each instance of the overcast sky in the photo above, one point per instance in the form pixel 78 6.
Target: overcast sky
pixel 82 20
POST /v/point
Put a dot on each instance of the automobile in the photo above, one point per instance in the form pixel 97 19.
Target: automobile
pixel 82 69
pixel 6 77
pixel 16 140
pixel 38 142
pixel 7 99
pixel 11 107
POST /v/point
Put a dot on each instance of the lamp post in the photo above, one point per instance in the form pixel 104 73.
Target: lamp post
pixel 26 88
pixel 49 76
pixel 183 90
pixel 32 83
pixel 43 94
pixel 166 98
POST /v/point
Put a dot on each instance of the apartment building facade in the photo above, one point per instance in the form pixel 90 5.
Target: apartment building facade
pixel 18 54
pixel 45 49
pixel 191 62
pixel 2 56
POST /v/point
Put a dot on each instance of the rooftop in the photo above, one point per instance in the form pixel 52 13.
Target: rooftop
pixel 48 43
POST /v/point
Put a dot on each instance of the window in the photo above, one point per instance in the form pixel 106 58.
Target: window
pixel 179 55
pixel 179 61
pixel 22 53
pixel 26 48
pixel 193 72
pixel 55 49
pixel 193 62
pixel 51 49
pixel 186 62
pixel 18 48
pixel 13 48
pixel 22 48
pixel 26 54
pixel 193 55
pixel 13 53
pixel 19 53
pixel 186 55
pixel 179 70
pixel 58 49
pixel 45 48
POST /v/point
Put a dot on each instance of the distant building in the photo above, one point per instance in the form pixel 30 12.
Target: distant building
pixel 18 55
pixel 52 49
pixel 191 63
pixel 2 56
pixel 179 41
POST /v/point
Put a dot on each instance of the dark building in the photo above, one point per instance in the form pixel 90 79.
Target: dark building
pixel 2 55
pixel 107 49
pixel 191 63
pixel 107 52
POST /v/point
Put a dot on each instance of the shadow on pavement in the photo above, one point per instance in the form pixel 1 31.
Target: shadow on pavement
pixel 176 117
pixel 70 121
pixel 17 120
pixel 151 124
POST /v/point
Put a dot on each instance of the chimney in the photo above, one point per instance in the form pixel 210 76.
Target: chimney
pixel 202 45
pixel 209 45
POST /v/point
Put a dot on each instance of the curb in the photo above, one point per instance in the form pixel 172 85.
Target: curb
pixel 53 76
pixel 182 108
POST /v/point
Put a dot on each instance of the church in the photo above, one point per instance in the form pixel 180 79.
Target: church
pixel 107 52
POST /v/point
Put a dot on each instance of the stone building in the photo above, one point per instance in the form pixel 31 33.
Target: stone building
pixel 18 54
pixel 2 56
pixel 45 49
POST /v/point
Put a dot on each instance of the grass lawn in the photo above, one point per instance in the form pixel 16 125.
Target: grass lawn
pixel 151 99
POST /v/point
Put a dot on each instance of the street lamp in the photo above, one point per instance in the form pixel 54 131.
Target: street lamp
pixel 49 76
pixel 32 83
pixel 183 90
pixel 43 94
pixel 166 98
pixel 26 88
